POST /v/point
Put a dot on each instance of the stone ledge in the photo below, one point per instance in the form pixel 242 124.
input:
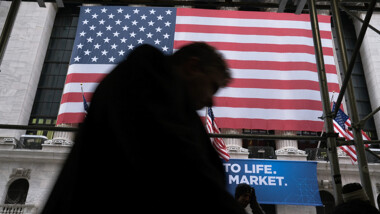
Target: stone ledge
pixel 58 155
pixel 56 148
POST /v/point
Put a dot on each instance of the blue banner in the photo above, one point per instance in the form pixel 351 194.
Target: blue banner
pixel 276 181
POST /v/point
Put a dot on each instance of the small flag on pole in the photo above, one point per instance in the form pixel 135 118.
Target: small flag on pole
pixel 341 124
pixel 217 143
pixel 85 105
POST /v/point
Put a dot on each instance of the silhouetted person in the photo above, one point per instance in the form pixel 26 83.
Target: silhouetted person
pixel 355 201
pixel 245 195
pixel 142 147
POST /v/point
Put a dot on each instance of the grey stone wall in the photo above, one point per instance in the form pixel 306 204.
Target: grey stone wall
pixel 39 167
pixel 4 8
pixel 22 63
pixel 370 56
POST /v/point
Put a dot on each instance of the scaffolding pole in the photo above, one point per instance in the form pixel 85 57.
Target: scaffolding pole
pixel 347 84
pixel 8 25
pixel 331 140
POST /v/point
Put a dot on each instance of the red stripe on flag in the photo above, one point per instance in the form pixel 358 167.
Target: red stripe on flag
pixel 267 103
pixel 217 143
pixel 281 66
pixel 280 84
pixel 76 97
pixel 277 48
pixel 70 118
pixel 248 15
pixel 240 123
pixel 84 78
pixel 340 131
pixel 248 30
pixel 345 149
pixel 350 150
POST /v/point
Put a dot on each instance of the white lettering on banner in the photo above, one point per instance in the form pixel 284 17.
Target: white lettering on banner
pixel 265 178
pixel 257 168
pixel 257 180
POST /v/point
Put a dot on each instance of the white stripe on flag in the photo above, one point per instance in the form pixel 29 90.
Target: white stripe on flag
pixel 257 39
pixel 264 23
pixel 280 75
pixel 90 68
pixel 72 107
pixel 75 87
pixel 267 114
pixel 281 94
pixel 271 56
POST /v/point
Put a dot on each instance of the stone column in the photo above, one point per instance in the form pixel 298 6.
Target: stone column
pixel 235 145
pixel 7 143
pixel 61 138
pixel 22 62
pixel 370 56
pixel 288 149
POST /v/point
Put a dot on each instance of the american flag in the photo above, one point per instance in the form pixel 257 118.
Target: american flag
pixel 341 126
pixel 271 56
pixel 217 143
pixel 85 104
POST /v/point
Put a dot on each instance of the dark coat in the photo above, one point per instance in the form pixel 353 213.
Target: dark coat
pixel 142 148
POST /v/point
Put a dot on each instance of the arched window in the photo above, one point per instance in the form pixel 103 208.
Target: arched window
pixel 17 192
pixel 328 202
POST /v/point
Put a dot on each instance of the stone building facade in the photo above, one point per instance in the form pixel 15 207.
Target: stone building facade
pixel 26 175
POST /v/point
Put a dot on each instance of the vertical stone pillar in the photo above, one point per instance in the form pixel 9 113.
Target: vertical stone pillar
pixel 271 9
pixel 235 145
pixel 60 138
pixel 7 143
pixel 370 56
pixel 22 62
pixel 288 149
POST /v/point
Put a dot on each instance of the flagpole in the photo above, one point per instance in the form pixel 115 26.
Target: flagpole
pixel 85 105
pixel 319 142
pixel 81 88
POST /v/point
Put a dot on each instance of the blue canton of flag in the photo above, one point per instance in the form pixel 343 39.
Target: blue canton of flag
pixel 106 35
pixel 85 105
pixel 211 115
pixel 340 118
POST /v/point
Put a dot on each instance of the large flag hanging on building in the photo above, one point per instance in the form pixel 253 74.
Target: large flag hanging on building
pixel 217 143
pixel 271 55
pixel 341 126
